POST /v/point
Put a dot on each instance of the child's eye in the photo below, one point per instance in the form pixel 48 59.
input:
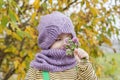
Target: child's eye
pixel 59 39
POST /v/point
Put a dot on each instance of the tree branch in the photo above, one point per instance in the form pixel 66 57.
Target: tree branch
pixel 2 55
pixel 12 70
pixel 69 5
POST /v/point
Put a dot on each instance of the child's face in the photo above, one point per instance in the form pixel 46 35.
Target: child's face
pixel 59 43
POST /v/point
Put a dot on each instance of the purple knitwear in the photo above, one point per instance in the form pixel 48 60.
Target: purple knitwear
pixel 49 28
pixel 53 60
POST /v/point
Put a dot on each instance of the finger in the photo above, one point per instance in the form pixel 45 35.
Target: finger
pixel 77 58
pixel 83 54
pixel 76 52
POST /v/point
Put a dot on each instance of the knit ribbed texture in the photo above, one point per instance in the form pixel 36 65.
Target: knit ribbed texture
pixel 51 26
pixel 53 60
pixel 84 71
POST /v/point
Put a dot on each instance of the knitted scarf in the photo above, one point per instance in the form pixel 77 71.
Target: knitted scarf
pixel 53 60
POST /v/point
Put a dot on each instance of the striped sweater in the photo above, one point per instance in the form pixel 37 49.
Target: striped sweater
pixel 83 71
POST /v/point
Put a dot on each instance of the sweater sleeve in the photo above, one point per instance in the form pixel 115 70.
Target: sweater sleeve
pixel 85 71
pixel 33 74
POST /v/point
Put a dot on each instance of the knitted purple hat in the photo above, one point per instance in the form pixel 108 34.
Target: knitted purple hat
pixel 51 26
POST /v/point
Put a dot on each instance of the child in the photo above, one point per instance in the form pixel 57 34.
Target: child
pixel 52 63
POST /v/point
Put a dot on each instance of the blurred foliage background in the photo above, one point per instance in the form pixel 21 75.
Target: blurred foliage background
pixel 94 25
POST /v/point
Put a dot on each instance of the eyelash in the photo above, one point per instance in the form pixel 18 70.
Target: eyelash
pixel 58 39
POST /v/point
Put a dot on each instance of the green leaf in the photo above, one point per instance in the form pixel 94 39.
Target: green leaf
pixel 27 34
pixel 14 25
pixel 20 33
pixel 117 32
pixel 12 15
pixel 94 11
pixel 103 28
pixel 1 3
pixel 44 5
pixel 109 32
pixel 4 21
pixel 113 19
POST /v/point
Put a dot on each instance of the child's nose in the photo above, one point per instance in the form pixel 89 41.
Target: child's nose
pixel 63 43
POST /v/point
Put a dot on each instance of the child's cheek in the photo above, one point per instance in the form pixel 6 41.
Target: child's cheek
pixel 57 45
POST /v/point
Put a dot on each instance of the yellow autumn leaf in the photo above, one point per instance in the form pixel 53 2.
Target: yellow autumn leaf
pixel 95 42
pixel 112 29
pixel 9 32
pixel 31 31
pixel 65 2
pixel 102 19
pixel 33 17
pixel 1 29
pixel 95 21
pixel 27 29
pixel 105 1
pixel 1 40
pixel 87 4
pixel 19 77
pixel 98 71
pixel 89 32
pixel 23 73
pixel 82 22
pixel 36 4
pixel 14 35
pixel 87 49
pixel 94 31
pixel 14 25
pixel 59 3
pixel 50 1
pixel 17 17
pixel 91 41
pixel 5 68
pixel 82 14
pixel 23 65
pixel 94 11
pixel 81 40
pixel 106 40
pixel 95 1
pixel 19 68
pixel 10 49
pixel 30 54
pixel 16 63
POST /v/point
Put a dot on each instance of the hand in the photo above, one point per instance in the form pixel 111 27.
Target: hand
pixel 80 54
